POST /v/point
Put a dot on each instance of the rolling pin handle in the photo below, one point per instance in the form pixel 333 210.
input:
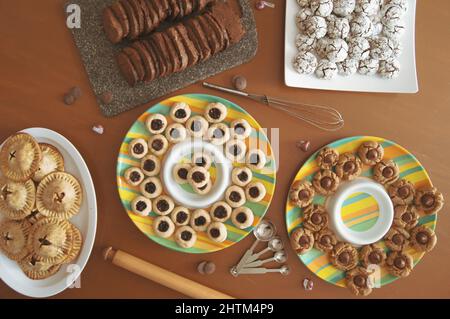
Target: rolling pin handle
pixel 108 253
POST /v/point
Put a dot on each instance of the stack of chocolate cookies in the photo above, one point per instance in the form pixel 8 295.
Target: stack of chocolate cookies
pixel 133 18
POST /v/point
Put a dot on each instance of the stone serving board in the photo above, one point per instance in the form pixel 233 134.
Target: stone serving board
pixel 98 54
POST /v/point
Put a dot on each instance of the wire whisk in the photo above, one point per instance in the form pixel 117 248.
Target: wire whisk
pixel 323 117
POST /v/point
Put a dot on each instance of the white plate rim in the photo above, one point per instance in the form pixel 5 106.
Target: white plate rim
pixel 88 237
pixel 357 82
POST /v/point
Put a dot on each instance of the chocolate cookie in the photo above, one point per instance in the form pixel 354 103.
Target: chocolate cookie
pixel 196 32
pixel 235 196
pixel 179 47
pixel 189 45
pixel 402 192
pixel 326 182
pixel 185 237
pixel 348 166
pixel 399 264
pixel 325 240
pixel 112 26
pixel 405 216
pixel 126 68
pixel 149 64
pixel 132 19
pixel 302 240
pixel 180 112
pixel 397 239
pixel 386 172
pixel 372 255
pixel 423 238
pixel 242 217
pixel 429 200
pixel 217 232
pixel 358 281
pixel 141 205
pixel 121 15
pixel 163 205
pixel 370 152
pixel 256 159
pixel 315 217
pixel 302 193
pixel 344 256
pixel 327 158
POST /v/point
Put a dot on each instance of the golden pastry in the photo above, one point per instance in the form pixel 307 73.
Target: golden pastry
pixel 326 182
pixel 16 198
pixel 325 240
pixel 34 267
pixel 52 161
pixel 13 239
pixel 77 243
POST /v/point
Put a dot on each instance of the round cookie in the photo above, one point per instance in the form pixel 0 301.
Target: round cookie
pixel 215 112
pixel 217 232
pixel 302 193
pixel 138 148
pixel 220 211
pixel 423 238
pixel 381 48
pixel 326 182
pixel 370 153
pixel 358 281
pixel 141 205
pixel 325 240
pixel 304 43
pixel 158 144
pixel 361 26
pixel 399 264
pixel 235 196
pixel 242 217
pixel 405 216
pixel 315 218
pixel 367 7
pixel 240 129
pixel 394 30
pixel 17 199
pixel 150 165
pixel 386 172
pixel 176 133
pixel 241 176
pixel 315 27
pixel 368 66
pixel 185 237
pixel 402 192
pixel 13 239
pixel 198 176
pixel 372 255
pixel 322 8
pixel 180 112
pixel 348 67
pixel 197 126
pixel 338 28
pixel 151 187
pixel 326 69
pixel 52 161
pixel 344 256
pixel 180 216
pixel 358 48
pixel 256 159
pixel 302 240
pixel 200 220
pixel 343 8
pixel 133 176
pixel 156 123
pixel 389 69
pixel 205 189
pixel 348 167
pixel 180 173
pixel 429 200
pixel 391 15
pixel 397 239
pixel 301 16
pixel 202 159
pixel 235 150
pixel 327 158
pixel 218 134
pixel 255 192
pixel 163 226
pixel 305 62
pixel 163 205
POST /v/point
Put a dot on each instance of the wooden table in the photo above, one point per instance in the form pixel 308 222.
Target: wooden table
pixel 39 62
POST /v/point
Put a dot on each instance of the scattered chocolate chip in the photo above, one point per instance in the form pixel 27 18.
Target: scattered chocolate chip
pixel 239 82
pixel 303 145
pixel 69 99
pixel 308 284
pixel 206 267
pixel 106 97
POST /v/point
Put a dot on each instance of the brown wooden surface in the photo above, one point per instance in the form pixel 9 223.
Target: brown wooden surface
pixel 39 62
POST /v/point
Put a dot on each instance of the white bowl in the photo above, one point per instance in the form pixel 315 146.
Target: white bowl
pixel 223 174
pixel 385 218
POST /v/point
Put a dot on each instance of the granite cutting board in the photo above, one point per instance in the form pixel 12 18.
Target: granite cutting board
pixel 97 54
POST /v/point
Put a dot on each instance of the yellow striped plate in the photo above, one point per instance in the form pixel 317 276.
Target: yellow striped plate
pixel 360 211
pixel 198 103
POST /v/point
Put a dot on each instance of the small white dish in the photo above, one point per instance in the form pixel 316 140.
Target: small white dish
pixel 385 217
pixel 223 174
pixel 405 83
pixel 86 221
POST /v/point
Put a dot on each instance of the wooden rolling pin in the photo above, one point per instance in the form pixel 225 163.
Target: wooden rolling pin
pixel 161 276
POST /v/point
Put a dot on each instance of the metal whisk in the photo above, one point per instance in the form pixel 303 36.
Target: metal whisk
pixel 322 117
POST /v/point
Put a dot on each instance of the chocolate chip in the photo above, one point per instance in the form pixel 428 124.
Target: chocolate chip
pixel 372 154
pixel 303 194
pixel 218 133
pixel 407 217
pixel 156 124
pixel 141 206
pixel 106 97
pixel 374 258
pixel 135 177
pixel 196 126
pixel 239 129
pixel 235 197
pixel 422 238
pixel 349 166
pixel 182 173
pixel 180 114
pixel 215 113
pixel 325 240
pixel 149 165
pixel 427 200
pixel 157 145
pixel 150 187
pixel 163 226
pixel 198 177
pixel 388 172
pixel 76 92
pixel 303 145
pixel 303 240
pixel 69 99
pixel 316 218
pixel 403 192
pixel 243 176
pixel 398 239
pixel 344 258
pixel 220 212
pixel 239 82
pixel 186 235
pixel 214 232
pixel 241 217
pixel 326 182
pixel 200 221
pixel 400 262
pixel 254 192
pixel 360 281
pixel 138 148
pixel 162 205
pixel 174 133
pixel 181 217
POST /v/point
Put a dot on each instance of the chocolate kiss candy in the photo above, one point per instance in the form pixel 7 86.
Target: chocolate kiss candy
pixel 422 238
pixel 372 154
pixel 359 281
pixel 403 191
pixel 427 200
pixel 400 262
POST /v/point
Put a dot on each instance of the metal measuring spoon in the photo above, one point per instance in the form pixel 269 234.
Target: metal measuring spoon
pixel 264 231
pixel 284 270
pixel 279 257
pixel 275 244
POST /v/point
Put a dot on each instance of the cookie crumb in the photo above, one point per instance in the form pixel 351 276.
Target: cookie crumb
pixel 239 82
pixel 308 284
pixel 76 92
pixel 99 129
pixel 69 99
pixel 206 267
pixel 303 145
pixel 106 97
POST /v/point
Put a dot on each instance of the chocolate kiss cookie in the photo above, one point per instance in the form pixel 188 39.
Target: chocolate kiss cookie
pixel 348 166
pixel 402 192
pixel 302 240
pixel 315 218
pixel 396 239
pixel 344 256
pixel 405 216
pixel 423 238
pixel 429 200
pixel 327 158
pixel 326 182
pixel 386 172
pixel 358 281
pixel 325 240
pixel 372 255
pixel 302 193
pixel 370 152
pixel 399 264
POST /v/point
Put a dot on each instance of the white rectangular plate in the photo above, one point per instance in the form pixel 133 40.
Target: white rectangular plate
pixel 86 221
pixel 405 83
